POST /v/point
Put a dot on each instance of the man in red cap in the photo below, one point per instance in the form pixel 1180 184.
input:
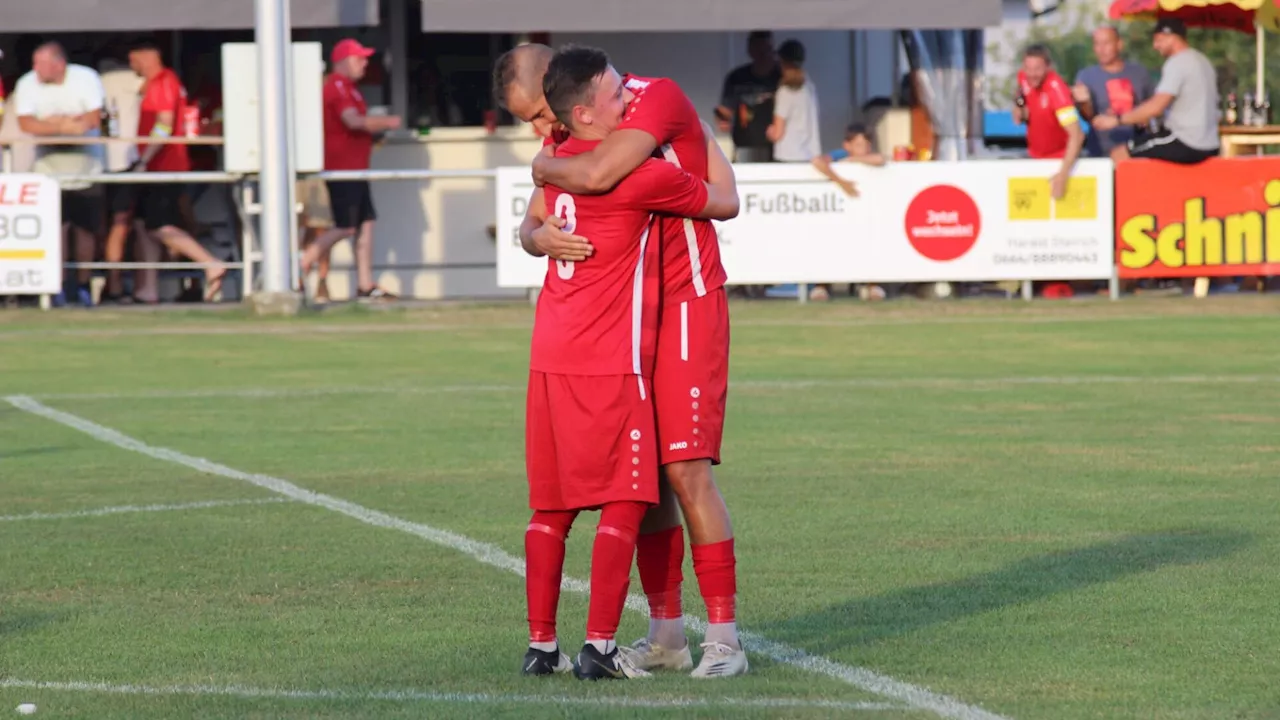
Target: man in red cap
pixel 349 133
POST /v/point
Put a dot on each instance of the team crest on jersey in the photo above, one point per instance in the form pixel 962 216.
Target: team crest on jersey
pixel 636 84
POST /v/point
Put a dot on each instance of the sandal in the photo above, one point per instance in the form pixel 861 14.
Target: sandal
pixel 213 285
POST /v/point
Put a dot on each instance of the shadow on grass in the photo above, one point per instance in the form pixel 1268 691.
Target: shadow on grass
pixel 869 620
pixel 25 452
pixel 15 622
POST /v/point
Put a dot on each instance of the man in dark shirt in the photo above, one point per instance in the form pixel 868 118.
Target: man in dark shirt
pixel 746 104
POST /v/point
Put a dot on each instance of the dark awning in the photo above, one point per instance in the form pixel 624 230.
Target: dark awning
pixel 134 15
pixel 704 15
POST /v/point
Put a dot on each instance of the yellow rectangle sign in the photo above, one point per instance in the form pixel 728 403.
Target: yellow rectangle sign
pixel 22 254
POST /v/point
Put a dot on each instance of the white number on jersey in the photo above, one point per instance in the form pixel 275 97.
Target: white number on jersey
pixel 567 209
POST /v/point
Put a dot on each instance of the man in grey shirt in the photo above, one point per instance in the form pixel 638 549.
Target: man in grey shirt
pixel 1187 96
pixel 1112 87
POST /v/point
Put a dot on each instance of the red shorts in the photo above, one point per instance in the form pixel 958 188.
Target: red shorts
pixel 691 378
pixel 589 441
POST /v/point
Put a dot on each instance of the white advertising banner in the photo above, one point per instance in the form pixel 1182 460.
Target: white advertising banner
pixel 996 220
pixel 30 235
pixel 973 221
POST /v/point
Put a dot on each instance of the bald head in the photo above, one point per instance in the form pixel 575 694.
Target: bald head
pixel 517 84
pixel 1107 47
pixel 520 70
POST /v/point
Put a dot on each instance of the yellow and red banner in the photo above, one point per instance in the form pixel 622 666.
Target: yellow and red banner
pixel 1218 218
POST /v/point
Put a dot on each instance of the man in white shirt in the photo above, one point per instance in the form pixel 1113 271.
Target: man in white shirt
pixel 794 131
pixel 56 99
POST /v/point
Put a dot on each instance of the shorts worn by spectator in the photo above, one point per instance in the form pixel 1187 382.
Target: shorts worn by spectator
pixel 1164 145
pixel 351 203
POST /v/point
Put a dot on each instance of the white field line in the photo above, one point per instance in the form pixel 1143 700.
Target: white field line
pixel 126 509
pixel 300 329
pixel 862 678
pixel 783 384
pixel 409 696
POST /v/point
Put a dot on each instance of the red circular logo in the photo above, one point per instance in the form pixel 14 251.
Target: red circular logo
pixel 943 222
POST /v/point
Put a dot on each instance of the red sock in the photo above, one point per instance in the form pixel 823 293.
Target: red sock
pixel 611 556
pixel 660 556
pixel 716 568
pixel 544 568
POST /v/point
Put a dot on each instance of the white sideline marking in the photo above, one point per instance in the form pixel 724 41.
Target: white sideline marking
pixel 862 678
pixel 125 509
pixel 791 384
pixel 239 691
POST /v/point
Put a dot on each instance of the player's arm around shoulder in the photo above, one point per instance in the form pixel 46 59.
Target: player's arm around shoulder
pixel 600 170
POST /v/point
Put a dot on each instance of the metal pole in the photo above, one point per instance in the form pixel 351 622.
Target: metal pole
pixel 1260 58
pixel 291 130
pixel 271 33
pixel 1028 290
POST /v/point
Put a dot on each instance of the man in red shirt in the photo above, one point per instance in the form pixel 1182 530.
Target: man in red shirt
pixel 163 102
pixel 1045 104
pixel 349 133
pixel 590 435
pixel 691 374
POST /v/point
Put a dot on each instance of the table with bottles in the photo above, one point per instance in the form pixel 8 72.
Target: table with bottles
pixel 1247 125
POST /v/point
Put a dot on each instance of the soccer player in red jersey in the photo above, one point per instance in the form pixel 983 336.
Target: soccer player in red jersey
pixel 1049 111
pixel 691 373
pixel 164 101
pixel 590 438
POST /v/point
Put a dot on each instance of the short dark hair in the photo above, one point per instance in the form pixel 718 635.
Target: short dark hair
pixel 571 78
pixel 856 129
pixel 758 35
pixel 1038 50
pixel 143 44
pixel 791 52
pixel 52 46
pixel 504 74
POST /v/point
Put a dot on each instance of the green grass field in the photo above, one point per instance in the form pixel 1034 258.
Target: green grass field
pixel 969 510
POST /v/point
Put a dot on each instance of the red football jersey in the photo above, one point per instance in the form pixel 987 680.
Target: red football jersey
pixel 164 93
pixel 344 148
pixel 599 316
pixel 1050 109
pixel 691 264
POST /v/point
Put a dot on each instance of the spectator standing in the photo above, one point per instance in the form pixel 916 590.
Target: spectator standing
pixel 1047 108
pixel 1187 97
pixel 1114 86
pixel 60 99
pixel 164 102
pixel 794 131
pixel 123 88
pixel 747 101
pixel 349 133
